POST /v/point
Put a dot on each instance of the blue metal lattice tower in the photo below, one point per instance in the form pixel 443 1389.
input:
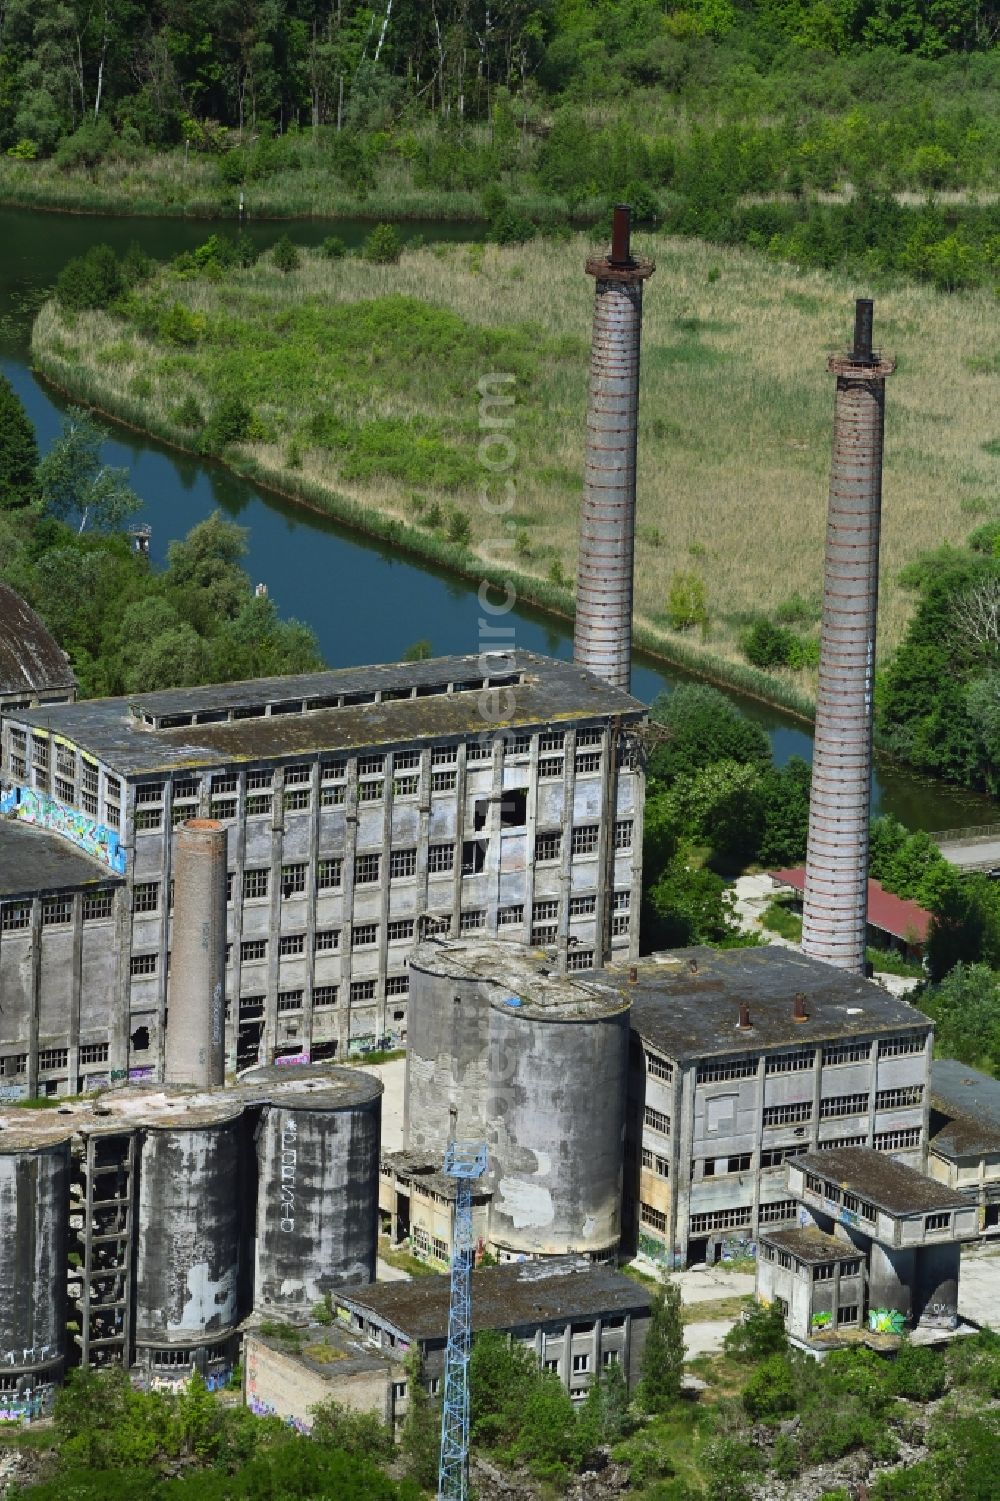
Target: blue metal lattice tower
pixel 464 1161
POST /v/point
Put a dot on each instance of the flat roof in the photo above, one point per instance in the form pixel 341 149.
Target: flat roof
pixel 34 861
pixel 523 982
pixel 30 659
pixel 163 1107
pixel 971 1100
pixel 437 699
pixel 886 1183
pixel 686 1002
pixel 503 1297
pixel 330 1351
pixel 810 1244
pixel 426 1170
pixel 890 913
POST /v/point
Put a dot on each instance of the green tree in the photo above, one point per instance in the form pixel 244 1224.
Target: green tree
pixel 688 905
pixel 501 1377
pixel 686 601
pixel 285 255
pixel 702 727
pixel 769 1395
pixel 76 487
pixel 359 1433
pixel 663 1352
pixel 549 1439
pixel 18 450
pixel 759 1334
pixel 421 1437
pixel 383 245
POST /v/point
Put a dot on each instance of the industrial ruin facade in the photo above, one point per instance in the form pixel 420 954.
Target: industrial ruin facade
pixel 147 1226
pixel 365 808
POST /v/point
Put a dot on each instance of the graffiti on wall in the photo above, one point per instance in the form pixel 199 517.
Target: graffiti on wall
pixel 738 1248
pixel 658 1252
pixel 35 1355
pixel 25 1407
pixel 140 1075
pixel 268 1410
pixel 886 1321
pixel 821 1321
pixel 285 1059
pixel 86 833
pixel 11 1092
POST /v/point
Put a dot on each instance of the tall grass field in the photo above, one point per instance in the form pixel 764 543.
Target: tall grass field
pixel 358 385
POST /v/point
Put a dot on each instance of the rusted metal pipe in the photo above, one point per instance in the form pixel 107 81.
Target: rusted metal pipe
pixel 835 909
pixel 621 235
pixel 603 634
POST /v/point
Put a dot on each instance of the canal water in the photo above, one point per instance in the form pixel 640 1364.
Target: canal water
pixel 365 602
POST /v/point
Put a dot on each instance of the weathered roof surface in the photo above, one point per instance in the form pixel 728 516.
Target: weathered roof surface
pixel 425 1170
pixel 971 1101
pixel 891 913
pixel 886 1183
pixel 128 735
pixel 503 1297
pixel 33 862
pixel 523 981
pixel 332 1352
pixel 181 1107
pixel 692 1013
pixel 810 1244
pixel 30 660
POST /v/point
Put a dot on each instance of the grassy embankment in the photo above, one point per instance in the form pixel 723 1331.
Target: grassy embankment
pixel 362 382
pixel 169 183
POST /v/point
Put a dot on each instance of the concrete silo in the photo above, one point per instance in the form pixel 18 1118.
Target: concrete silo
pixel 506 1050
pixel 318 1141
pixel 34 1211
pixel 188 1242
pixel 447 1048
pixel 557 1108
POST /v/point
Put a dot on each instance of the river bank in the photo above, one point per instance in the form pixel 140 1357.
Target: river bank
pixel 358 389
pixel 170 185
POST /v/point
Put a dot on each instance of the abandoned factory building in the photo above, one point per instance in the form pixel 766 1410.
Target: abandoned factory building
pixel 366 808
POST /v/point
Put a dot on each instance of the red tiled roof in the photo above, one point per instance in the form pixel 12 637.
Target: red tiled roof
pixel 890 913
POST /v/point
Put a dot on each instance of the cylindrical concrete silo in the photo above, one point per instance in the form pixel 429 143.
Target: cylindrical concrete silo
pixel 557 1107
pixel 188 1266
pixel 447 1047
pixel 836 887
pixel 195 1051
pixel 34 1212
pixel 602 639
pixel 318 1146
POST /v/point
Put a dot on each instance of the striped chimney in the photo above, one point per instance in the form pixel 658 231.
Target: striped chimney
pixel 603 637
pixel 836 894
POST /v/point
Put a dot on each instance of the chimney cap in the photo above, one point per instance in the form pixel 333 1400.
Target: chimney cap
pixel 744 1024
pixel 799 1012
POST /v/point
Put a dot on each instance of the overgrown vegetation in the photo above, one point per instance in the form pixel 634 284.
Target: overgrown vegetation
pixel 714 804
pixel 129 627
pixel 113 1443
pixel 938 699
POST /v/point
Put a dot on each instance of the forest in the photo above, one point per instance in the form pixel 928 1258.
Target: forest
pixel 864 132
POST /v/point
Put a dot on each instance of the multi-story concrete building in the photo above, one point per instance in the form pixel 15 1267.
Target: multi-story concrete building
pixel 965 1137
pixel 33 668
pixel 367 807
pixel 746 1058
pixel 576 1318
pixel 63 919
pixel 877 1249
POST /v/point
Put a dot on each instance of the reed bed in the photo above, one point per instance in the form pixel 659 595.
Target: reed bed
pixel 735 414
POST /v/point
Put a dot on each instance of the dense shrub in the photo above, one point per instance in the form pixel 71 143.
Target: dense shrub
pixel 92 280
pixel 383 245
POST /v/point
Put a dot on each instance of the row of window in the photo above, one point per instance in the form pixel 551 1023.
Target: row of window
pixel 97 906
pixel 835 1106
pixel 791 1059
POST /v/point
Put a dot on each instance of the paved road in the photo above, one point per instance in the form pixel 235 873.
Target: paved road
pixel 972 854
